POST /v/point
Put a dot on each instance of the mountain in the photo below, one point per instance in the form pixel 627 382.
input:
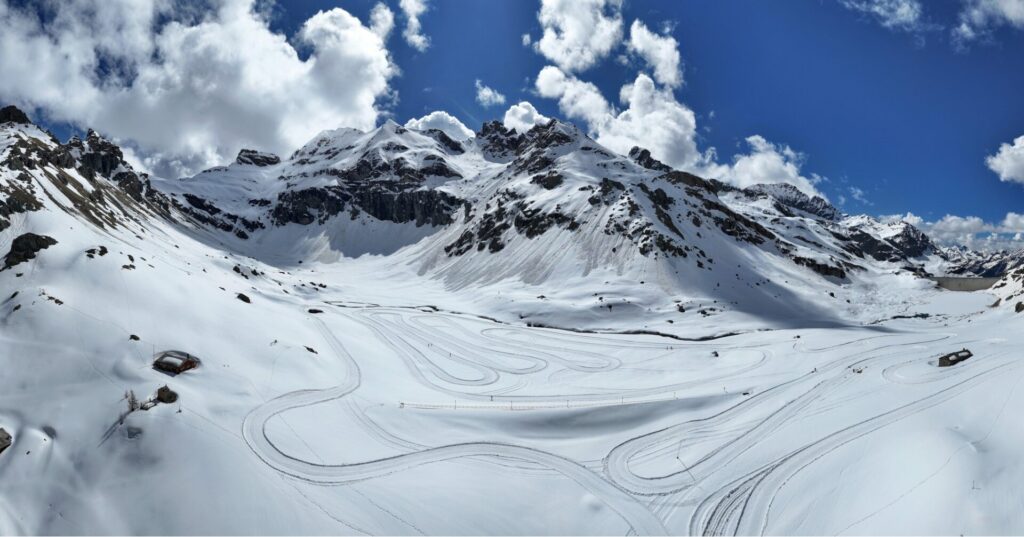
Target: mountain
pixel 395 332
pixel 544 207
pixel 965 262
pixel 550 208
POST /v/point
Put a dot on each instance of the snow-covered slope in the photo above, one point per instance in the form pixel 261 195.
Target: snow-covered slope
pixel 362 314
pixel 552 210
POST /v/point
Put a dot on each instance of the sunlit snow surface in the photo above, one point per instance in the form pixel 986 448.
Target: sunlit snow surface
pixel 411 419
pixel 415 401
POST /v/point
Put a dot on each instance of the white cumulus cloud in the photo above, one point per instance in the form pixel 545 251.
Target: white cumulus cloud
pixel 1008 162
pixel 769 163
pixel 651 117
pixel 187 91
pixel 660 52
pixel 488 96
pixel 906 15
pixel 413 33
pixel 523 116
pixel 382 20
pixel 578 33
pixel 443 121
pixel 978 17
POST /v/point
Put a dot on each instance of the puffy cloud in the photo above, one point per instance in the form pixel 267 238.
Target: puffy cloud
pixel 382 20
pixel 978 17
pixel 576 99
pixel 523 116
pixel 970 231
pixel 652 118
pixel 903 15
pixel 442 121
pixel 769 163
pixel 660 52
pixel 413 32
pixel 126 66
pixel 488 96
pixel 527 40
pixel 1008 162
pixel 1013 223
pixel 912 219
pixel 579 33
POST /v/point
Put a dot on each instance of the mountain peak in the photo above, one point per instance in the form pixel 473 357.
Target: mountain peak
pixel 795 198
pixel 643 157
pixel 13 114
pixel 253 157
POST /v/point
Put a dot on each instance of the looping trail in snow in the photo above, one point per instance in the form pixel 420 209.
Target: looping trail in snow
pixel 639 518
pixel 730 479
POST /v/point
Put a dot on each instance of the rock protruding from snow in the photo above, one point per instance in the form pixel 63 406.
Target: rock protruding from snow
pixel 497 141
pixel 643 157
pixel 793 197
pixel 252 157
pixel 13 114
pixel 25 247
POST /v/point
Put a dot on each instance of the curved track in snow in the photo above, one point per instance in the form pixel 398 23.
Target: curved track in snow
pixel 639 518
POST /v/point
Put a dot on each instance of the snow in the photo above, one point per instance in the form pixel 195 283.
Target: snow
pixel 420 401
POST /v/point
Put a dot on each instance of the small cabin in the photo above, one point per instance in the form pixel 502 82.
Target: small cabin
pixel 175 362
pixel 954 358
pixel 5 440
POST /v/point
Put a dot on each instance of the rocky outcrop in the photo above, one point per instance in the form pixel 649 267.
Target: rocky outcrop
pixel 821 268
pixel 25 247
pixel 432 207
pixel 498 142
pixel 251 157
pixel 793 197
pixel 643 158
pixel 12 114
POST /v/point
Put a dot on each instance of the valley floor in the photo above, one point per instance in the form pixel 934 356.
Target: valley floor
pixel 313 412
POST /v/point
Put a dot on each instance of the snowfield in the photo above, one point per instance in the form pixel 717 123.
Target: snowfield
pixel 396 391
pixel 408 419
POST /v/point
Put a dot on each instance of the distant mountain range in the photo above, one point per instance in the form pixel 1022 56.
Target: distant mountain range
pixel 546 207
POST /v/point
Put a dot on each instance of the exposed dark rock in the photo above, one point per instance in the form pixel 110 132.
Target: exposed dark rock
pixel 243 298
pixel 549 181
pixel 257 158
pixel 421 206
pixel 131 184
pixel 497 141
pixel 821 268
pixel 688 179
pixel 643 157
pixel 453 147
pixel 98 155
pixel 308 205
pixel 791 196
pixel 12 114
pixel 25 247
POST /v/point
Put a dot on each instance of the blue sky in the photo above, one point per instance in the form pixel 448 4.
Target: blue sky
pixel 884 112
pixel 907 118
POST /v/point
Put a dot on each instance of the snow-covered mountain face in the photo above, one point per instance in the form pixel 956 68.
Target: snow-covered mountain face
pixel 550 208
pixel 401 287
pixel 965 262
pixel 543 207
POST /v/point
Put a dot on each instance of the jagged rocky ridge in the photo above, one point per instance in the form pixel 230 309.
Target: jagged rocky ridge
pixel 496 194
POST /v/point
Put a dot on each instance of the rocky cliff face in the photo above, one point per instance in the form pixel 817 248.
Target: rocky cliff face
pixel 549 191
pixel 86 177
